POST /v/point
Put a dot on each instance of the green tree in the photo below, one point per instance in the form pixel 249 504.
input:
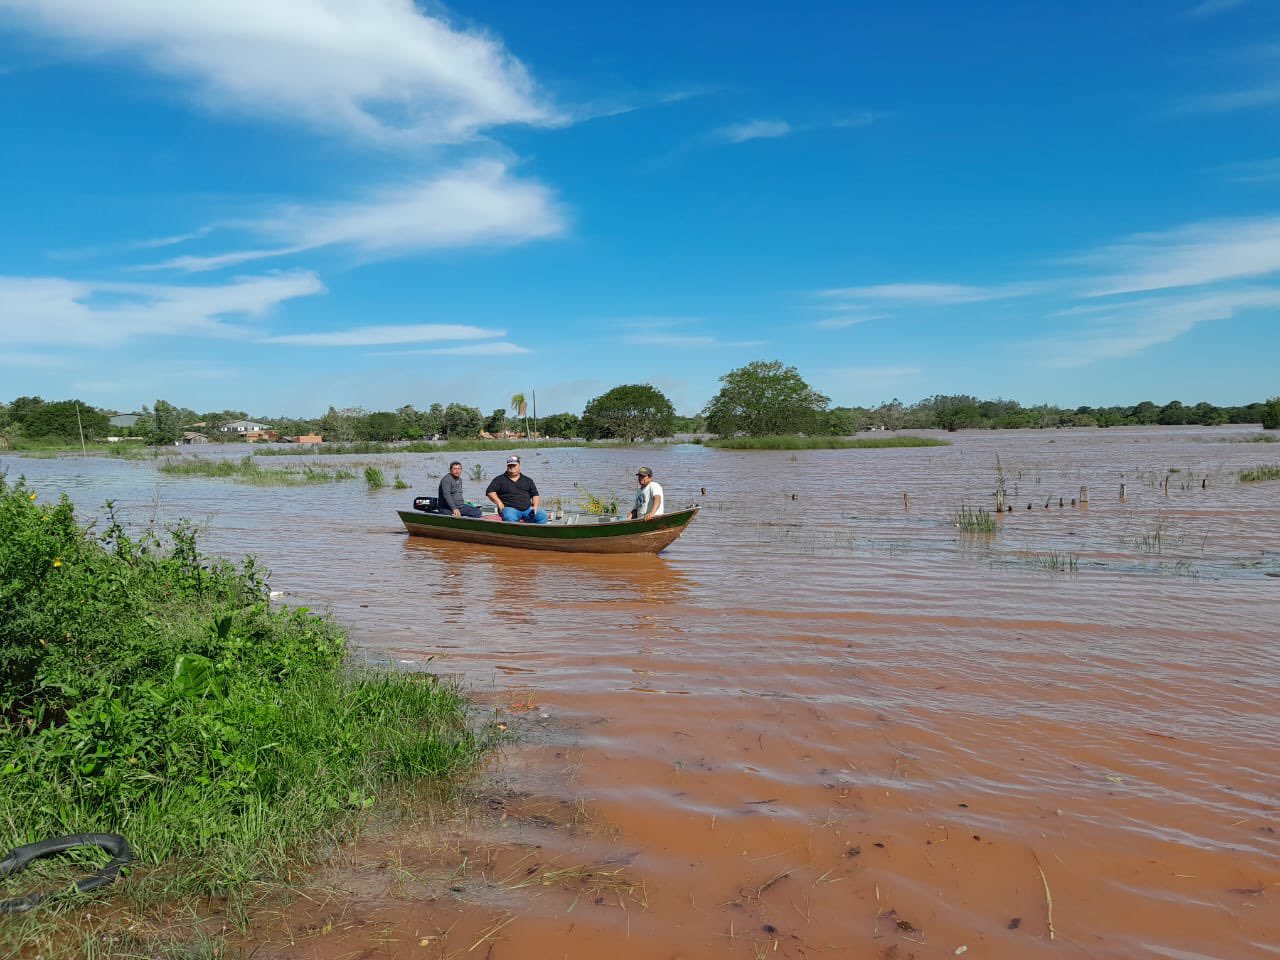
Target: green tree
pixel 560 425
pixel 631 412
pixel 162 425
pixel 411 424
pixel 342 425
pixel 380 426
pixel 462 421
pixel 764 398
pixel 497 421
pixel 434 424
pixel 1271 414
pixel 520 408
pixel 58 419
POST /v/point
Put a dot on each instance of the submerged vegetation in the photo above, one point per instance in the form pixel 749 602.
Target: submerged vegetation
pixel 245 470
pixel 795 442
pixel 419 446
pixel 1262 472
pixel 968 520
pixel 151 691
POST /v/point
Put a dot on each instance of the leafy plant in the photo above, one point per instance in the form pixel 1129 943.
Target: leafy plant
pixel 599 506
pixel 970 520
pixel 374 478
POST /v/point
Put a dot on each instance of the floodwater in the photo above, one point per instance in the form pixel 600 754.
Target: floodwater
pixel 825 722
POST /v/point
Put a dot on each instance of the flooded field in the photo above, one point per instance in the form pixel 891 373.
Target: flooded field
pixel 826 722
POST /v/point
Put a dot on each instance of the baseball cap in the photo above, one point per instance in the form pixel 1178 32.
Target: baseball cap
pixel 511 460
pixel 644 472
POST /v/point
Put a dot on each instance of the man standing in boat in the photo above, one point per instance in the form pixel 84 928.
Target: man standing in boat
pixel 648 497
pixel 515 495
pixel 450 494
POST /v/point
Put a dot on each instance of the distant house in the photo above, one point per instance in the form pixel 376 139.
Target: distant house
pixel 125 420
pixel 307 438
pixel 243 426
pixel 190 437
pixel 253 436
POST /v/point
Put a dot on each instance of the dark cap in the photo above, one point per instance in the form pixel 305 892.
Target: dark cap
pixel 512 459
pixel 644 472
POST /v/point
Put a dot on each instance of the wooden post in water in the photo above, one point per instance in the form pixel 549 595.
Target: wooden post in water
pixel 1122 491
pixel 906 502
pixel 1166 484
pixel 1084 494
pixel 1000 501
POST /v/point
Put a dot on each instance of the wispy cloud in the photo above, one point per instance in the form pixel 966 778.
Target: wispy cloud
pixel 927 293
pixel 1209 8
pixel 842 321
pixel 1264 95
pixel 374 69
pixel 502 349
pixel 1193 255
pixel 384 334
pixel 478 204
pixel 1129 328
pixel 1252 171
pixel 753 130
pixel 59 312
pixel 685 340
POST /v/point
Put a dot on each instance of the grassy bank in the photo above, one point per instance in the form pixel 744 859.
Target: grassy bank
pixel 153 692
pixel 245 470
pixel 792 442
pixel 418 446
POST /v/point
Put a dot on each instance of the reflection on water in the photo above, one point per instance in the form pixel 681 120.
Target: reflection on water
pixel 824 710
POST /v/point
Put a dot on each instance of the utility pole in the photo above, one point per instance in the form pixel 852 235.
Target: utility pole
pixel 80 425
pixel 535 410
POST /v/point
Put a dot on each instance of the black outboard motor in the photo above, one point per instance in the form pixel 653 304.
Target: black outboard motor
pixel 426 504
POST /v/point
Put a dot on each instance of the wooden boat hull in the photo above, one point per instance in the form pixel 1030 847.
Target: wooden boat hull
pixel 621 536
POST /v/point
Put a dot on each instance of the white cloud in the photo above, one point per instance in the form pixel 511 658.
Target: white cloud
pixel 502 349
pixel 684 340
pixel 1264 95
pixel 753 130
pixel 378 335
pixel 380 69
pixel 927 293
pixel 1209 8
pixel 1197 254
pixel 1127 329
pixel 842 321
pixel 477 204
pixel 1252 171
pixel 58 312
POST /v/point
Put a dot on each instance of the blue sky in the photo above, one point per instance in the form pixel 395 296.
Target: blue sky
pixel 277 205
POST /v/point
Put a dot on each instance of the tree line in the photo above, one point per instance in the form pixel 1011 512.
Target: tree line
pixel 763 398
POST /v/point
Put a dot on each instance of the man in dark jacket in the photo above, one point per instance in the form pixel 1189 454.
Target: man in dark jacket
pixel 516 496
pixel 450 496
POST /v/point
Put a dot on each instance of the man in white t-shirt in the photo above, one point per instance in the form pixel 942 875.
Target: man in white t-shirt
pixel 648 497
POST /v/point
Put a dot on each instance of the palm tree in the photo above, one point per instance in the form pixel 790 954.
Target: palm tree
pixel 520 408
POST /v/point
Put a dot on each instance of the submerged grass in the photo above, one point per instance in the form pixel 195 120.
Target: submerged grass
pixel 153 692
pixel 417 446
pixel 794 442
pixel 245 470
pixel 1054 561
pixel 968 520
pixel 1263 472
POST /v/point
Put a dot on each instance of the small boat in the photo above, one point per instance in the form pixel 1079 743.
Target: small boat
pixel 572 533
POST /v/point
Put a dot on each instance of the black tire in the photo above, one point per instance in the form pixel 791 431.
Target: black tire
pixel 20 857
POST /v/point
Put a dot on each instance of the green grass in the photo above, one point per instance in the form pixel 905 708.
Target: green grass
pixel 154 692
pixel 374 478
pixel 245 470
pixel 1055 561
pixel 1264 472
pixel 791 442
pixel 417 446
pixel 969 520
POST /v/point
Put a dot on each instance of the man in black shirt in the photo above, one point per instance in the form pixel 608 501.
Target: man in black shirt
pixel 450 497
pixel 516 496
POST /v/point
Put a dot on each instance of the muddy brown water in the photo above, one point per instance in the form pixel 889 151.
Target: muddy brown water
pixel 821 724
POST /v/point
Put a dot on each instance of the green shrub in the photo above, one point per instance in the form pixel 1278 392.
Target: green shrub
pixel 151 691
pixel 1271 414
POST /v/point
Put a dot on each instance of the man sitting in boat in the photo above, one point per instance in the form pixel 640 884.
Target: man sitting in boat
pixel 515 495
pixel 450 495
pixel 648 497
